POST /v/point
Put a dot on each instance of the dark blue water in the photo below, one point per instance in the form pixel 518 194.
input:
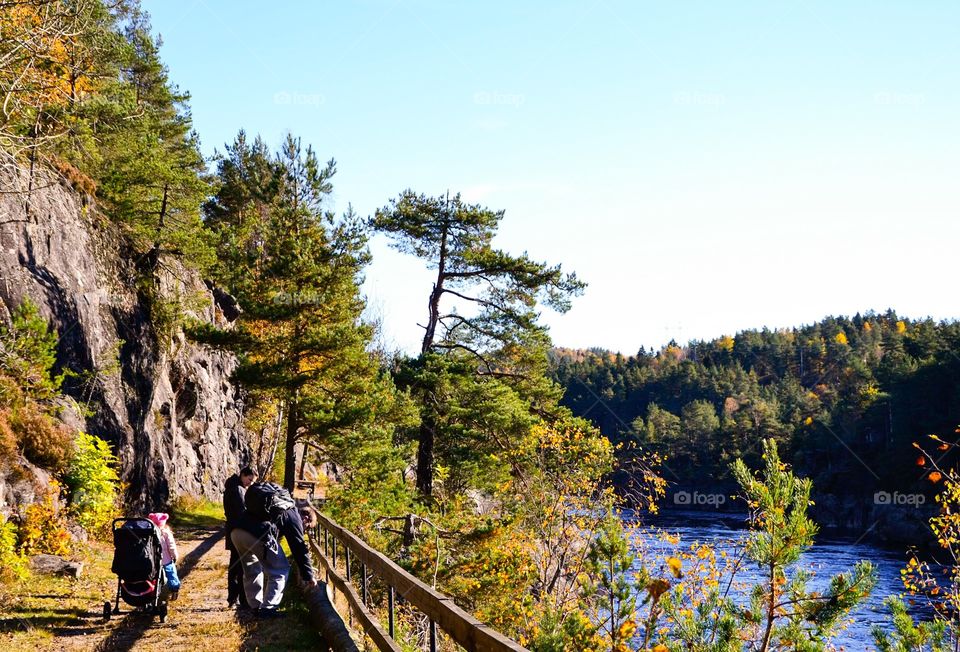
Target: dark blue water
pixel 826 558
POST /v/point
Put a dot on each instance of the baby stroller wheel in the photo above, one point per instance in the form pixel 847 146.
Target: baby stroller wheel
pixel 107 610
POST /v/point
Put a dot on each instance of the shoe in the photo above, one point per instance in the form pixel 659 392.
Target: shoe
pixel 267 614
pixel 231 603
pixel 174 595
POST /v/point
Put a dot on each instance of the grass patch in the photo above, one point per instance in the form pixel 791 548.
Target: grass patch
pixel 293 632
pixel 36 610
pixel 192 513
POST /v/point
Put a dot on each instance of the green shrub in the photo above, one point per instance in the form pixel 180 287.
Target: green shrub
pixel 29 352
pixel 13 564
pixel 93 483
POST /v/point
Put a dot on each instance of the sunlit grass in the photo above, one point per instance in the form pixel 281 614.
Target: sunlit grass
pixel 37 609
pixel 192 513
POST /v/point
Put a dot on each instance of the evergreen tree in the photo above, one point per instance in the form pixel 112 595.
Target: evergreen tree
pixel 295 270
pixel 482 319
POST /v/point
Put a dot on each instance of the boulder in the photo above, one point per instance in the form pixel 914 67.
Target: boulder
pixel 54 565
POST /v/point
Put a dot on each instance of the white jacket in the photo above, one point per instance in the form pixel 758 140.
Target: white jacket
pixel 169 545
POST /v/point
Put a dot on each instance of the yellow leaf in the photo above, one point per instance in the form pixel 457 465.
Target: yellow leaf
pixel 675 566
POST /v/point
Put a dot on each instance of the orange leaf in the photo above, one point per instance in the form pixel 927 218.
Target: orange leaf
pixel 935 477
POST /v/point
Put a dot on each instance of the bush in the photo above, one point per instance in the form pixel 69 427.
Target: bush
pixel 43 440
pixel 8 441
pixel 93 483
pixel 29 352
pixel 43 528
pixel 13 564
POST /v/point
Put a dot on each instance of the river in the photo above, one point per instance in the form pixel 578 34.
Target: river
pixel 826 558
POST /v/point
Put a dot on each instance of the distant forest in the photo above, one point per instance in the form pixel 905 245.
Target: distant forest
pixel 845 398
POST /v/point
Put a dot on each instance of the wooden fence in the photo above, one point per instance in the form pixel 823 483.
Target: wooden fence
pixel 331 541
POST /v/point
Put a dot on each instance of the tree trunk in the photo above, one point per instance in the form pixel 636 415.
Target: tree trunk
pixel 425 457
pixel 428 426
pixel 290 454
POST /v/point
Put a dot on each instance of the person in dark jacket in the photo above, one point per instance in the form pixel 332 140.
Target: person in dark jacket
pixel 271 502
pixel 233 509
pixel 290 526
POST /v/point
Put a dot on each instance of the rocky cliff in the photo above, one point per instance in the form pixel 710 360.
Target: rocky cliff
pixel 166 404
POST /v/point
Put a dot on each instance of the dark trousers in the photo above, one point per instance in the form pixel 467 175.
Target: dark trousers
pixel 235 591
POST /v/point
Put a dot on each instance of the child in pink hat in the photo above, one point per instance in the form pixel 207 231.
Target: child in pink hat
pixel 169 545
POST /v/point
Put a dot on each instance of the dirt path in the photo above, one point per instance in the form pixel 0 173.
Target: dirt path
pixel 62 614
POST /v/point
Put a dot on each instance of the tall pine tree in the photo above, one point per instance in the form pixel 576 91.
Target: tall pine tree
pixel 295 270
pixel 481 322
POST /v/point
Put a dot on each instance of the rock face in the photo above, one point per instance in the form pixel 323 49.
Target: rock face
pixel 166 404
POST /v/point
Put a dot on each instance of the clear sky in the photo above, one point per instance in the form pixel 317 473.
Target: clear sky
pixel 706 167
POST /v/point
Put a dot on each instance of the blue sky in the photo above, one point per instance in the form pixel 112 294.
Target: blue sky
pixel 706 167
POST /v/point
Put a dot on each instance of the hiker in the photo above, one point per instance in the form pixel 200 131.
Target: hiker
pixel 169 557
pixel 265 566
pixel 233 491
pixel 270 513
pixel 274 502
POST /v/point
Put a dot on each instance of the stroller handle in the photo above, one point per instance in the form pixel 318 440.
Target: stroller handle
pixel 127 519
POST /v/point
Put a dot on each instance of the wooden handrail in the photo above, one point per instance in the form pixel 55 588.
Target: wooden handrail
pixel 460 626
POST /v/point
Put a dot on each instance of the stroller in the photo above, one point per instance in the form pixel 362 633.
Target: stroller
pixel 137 558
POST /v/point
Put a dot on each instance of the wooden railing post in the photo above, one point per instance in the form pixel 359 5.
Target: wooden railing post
pixel 347 557
pixel 363 583
pixel 391 599
pixel 433 635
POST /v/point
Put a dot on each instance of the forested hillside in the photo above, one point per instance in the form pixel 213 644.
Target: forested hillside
pixel 845 397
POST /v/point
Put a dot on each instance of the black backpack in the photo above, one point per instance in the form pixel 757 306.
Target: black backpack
pixel 266 500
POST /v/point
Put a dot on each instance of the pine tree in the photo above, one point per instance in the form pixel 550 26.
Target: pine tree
pixel 497 337
pixel 295 269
